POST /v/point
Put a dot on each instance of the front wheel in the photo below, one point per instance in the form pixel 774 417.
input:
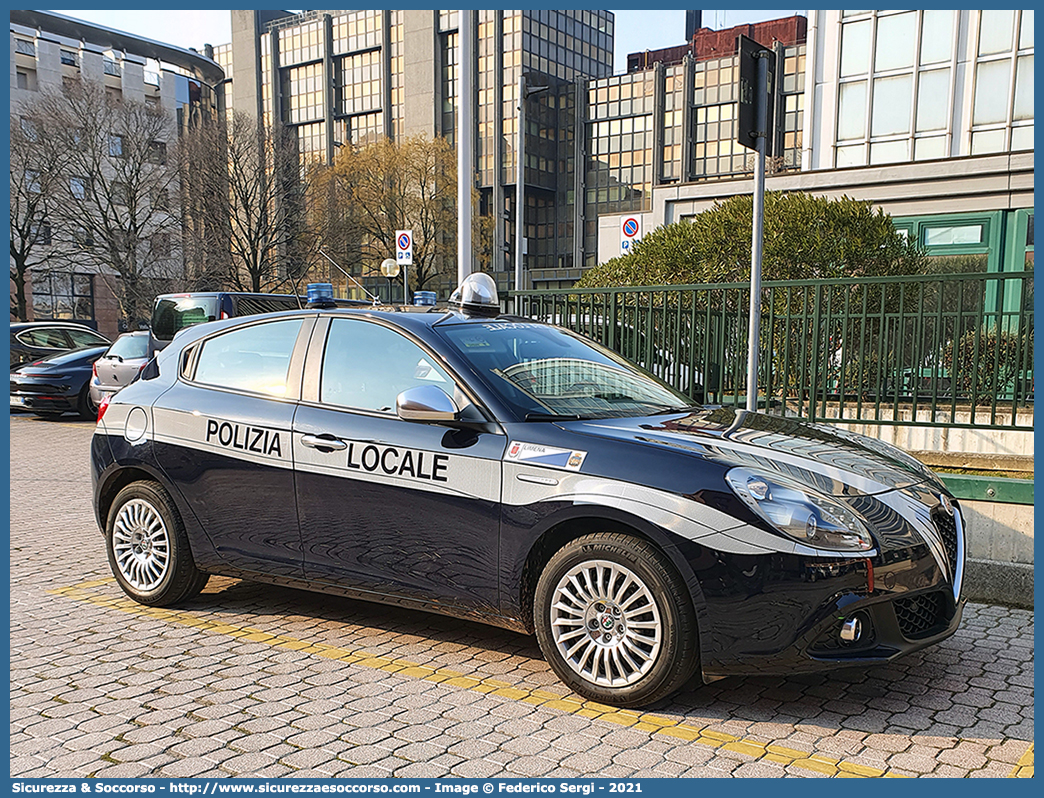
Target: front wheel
pixel 148 548
pixel 615 620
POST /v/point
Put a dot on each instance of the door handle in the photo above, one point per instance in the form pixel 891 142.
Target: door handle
pixel 323 442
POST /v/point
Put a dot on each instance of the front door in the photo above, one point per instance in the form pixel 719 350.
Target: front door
pixel 389 506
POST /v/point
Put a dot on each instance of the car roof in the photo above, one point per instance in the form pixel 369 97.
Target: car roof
pixel 414 318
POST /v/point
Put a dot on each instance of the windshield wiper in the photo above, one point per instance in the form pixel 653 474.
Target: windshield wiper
pixel 554 417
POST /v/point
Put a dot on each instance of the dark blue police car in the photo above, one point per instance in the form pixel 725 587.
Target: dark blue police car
pixel 509 471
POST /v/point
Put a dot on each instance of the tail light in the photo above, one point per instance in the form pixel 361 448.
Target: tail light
pixel 103 407
pixel 94 369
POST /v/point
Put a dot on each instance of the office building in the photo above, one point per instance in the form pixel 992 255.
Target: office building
pixel 927 114
pixel 48 51
pixel 348 77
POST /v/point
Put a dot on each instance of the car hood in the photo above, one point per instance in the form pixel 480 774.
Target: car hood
pixel 834 461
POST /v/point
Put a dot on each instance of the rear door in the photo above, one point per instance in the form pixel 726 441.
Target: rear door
pixel 223 437
pixel 391 506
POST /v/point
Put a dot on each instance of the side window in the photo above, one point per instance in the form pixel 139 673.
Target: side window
pixel 48 338
pixel 86 338
pixel 251 305
pixel 255 358
pixel 366 366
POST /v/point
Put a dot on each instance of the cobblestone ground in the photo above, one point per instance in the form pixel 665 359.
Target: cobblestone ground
pixel 251 680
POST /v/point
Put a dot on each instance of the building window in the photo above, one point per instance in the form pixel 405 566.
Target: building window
pixel 120 193
pixel 26 79
pixel 160 245
pixel 361 82
pixel 69 58
pixel 78 187
pixel 25 47
pixel 152 78
pixel 63 295
pixel 303 93
pixel 953 234
pixel 157 152
pixel 115 146
pixel 41 233
pixel 110 67
pixel 357 30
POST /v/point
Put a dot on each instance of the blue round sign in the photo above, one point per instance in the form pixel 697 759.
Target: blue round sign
pixel 404 241
pixel 630 228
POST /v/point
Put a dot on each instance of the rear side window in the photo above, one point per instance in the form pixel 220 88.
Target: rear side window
pixel 255 358
pixel 252 305
pixel 130 347
pixel 176 313
pixel 49 338
pixel 87 338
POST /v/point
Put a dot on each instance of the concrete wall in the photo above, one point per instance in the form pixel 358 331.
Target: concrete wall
pixel 999 562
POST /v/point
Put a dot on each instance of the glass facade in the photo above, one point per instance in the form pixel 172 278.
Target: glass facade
pixel 902 75
pixel 677 123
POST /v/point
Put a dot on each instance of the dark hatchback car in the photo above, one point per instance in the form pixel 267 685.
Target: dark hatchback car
pixel 57 384
pixel 32 340
pixel 173 312
pixel 512 472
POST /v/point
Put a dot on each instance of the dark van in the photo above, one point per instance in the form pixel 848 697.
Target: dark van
pixel 173 312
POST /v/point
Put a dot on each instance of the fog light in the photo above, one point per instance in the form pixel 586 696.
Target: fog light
pixel 850 630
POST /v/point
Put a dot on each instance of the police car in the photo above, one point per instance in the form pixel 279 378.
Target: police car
pixel 503 470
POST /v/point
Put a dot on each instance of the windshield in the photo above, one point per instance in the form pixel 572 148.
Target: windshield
pixel 175 313
pixel 129 346
pixel 542 371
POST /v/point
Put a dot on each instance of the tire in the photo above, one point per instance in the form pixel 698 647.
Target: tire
pixel 49 415
pixel 646 643
pixel 148 549
pixel 86 407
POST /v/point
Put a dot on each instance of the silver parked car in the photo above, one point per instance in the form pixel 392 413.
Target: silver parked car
pixel 119 365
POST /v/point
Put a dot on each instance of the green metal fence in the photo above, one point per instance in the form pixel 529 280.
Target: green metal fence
pixel 938 350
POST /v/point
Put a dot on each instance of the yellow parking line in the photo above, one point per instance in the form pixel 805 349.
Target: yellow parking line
pixel 1024 767
pixel 589 709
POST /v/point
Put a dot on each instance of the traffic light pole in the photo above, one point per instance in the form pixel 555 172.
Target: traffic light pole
pixel 757 236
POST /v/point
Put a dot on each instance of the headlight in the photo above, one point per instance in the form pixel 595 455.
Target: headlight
pixel 800 512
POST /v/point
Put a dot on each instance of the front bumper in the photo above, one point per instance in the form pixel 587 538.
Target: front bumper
pixel 782 614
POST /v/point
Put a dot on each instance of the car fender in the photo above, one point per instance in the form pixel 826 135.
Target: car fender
pixel 564 521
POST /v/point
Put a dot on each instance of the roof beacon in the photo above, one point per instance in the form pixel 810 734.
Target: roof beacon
pixel 477 296
pixel 320 295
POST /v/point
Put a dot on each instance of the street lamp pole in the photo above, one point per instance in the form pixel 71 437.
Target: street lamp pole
pixel 520 175
pixel 520 180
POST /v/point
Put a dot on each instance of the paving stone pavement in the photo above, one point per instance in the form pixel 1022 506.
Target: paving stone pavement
pixel 251 680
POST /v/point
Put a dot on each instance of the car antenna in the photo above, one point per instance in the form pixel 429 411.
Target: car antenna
pixel 376 301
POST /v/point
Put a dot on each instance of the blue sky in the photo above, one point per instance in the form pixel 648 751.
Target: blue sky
pixel 635 30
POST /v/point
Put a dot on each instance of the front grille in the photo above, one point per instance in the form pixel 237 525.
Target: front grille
pixel 946 526
pixel 919 616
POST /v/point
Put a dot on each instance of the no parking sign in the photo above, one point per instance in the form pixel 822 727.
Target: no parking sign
pixel 630 232
pixel 404 247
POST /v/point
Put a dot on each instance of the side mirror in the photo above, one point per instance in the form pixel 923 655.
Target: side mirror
pixel 425 403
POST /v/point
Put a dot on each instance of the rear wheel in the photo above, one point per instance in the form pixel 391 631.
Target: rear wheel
pixel 615 621
pixel 148 548
pixel 86 407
